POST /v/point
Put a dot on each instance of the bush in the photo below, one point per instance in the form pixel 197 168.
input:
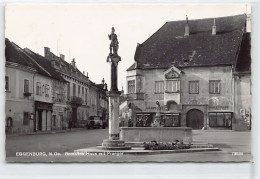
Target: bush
pixel 154 145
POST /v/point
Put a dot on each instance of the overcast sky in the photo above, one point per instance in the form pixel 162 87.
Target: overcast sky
pixel 81 31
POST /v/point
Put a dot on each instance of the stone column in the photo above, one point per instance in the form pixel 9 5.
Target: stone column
pixel 113 142
pixel 114 115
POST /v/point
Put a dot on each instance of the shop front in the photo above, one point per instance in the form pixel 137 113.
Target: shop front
pixel 220 117
pixel 59 121
pixel 43 113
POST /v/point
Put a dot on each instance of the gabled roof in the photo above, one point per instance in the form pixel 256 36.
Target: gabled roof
pixel 43 64
pixel 243 64
pixel 13 54
pixel 26 57
pixel 168 46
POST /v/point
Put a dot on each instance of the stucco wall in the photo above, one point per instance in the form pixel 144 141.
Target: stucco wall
pixel 43 81
pixel 203 74
pixel 242 102
pixel 16 103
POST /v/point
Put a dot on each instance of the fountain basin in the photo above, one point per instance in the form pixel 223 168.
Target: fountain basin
pixel 160 134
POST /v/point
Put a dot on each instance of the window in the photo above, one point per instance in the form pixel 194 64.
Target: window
pixel 47 90
pixel 172 86
pixel 194 87
pixel 159 87
pixel 26 86
pixel 214 86
pixel 220 120
pixel 38 88
pixel 74 89
pixel 26 118
pixel 171 120
pixel 68 91
pixel 82 91
pixel 78 91
pixel 86 95
pixel 131 86
pixel 54 121
pixel 6 83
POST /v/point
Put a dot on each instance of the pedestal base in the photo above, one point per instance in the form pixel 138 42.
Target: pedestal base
pixel 114 145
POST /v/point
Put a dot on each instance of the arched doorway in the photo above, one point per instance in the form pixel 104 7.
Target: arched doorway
pixel 195 119
pixel 172 105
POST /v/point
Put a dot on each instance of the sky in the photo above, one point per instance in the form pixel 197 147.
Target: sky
pixel 81 31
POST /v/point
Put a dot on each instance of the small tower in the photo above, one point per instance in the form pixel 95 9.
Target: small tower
pixel 73 63
pixel 187 29
pixel 214 28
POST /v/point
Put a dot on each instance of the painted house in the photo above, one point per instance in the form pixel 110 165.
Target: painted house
pixel 188 67
pixel 50 91
pixel 19 99
pixel 31 79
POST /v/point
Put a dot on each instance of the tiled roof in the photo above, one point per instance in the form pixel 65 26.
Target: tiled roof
pixel 43 64
pixel 26 57
pixel 13 54
pixel 244 59
pixel 168 46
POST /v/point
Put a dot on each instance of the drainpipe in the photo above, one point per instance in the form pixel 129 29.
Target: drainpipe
pixel 34 108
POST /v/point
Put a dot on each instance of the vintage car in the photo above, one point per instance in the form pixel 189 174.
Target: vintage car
pixel 95 122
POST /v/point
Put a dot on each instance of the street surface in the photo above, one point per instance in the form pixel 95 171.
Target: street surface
pixel 235 146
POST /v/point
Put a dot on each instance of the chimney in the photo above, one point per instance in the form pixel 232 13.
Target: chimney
pixel 214 28
pixel 122 91
pixel 103 81
pixel 83 72
pixel 87 76
pixel 46 51
pixel 73 63
pixel 62 56
pixel 187 29
pixel 248 23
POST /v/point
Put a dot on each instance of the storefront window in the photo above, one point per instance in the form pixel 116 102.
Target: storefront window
pixel 220 120
pixel 171 120
pixel 143 120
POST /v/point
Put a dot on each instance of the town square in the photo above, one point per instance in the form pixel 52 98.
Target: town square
pixel 127 89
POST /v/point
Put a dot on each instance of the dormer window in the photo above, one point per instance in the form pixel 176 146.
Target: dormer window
pixel 172 80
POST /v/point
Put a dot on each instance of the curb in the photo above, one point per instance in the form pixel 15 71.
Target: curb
pixel 48 132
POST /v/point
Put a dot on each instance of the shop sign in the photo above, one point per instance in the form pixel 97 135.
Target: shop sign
pixel 218 107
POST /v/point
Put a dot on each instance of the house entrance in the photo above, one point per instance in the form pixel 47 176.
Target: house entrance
pixel 195 119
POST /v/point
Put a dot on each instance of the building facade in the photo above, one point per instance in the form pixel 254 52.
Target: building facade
pixel 41 88
pixel 83 95
pixel 189 67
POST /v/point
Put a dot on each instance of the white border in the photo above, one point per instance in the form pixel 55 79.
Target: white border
pixel 140 170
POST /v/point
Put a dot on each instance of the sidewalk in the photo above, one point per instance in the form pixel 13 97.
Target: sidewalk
pixel 49 132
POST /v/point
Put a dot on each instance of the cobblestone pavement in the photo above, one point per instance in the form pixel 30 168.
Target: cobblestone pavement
pixel 235 146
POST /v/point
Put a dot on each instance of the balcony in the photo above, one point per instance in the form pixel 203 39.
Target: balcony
pixel 76 100
pixel 138 96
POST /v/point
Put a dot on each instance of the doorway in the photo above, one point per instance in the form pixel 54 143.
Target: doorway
pixel 195 119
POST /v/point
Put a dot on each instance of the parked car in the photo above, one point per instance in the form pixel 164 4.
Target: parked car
pixel 95 122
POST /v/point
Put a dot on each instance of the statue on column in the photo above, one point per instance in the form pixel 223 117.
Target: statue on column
pixel 114 42
pixel 113 58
